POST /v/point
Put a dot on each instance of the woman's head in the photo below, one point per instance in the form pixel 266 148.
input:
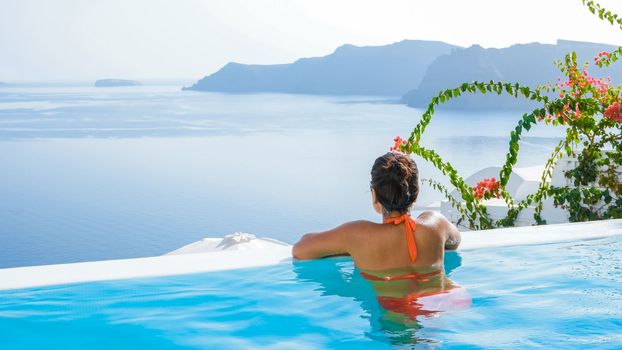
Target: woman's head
pixel 395 182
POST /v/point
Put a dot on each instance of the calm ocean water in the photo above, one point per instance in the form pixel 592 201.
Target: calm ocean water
pixel 103 173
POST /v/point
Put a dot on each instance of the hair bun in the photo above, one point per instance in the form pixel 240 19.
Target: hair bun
pixel 395 181
pixel 396 166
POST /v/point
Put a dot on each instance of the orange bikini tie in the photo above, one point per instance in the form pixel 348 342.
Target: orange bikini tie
pixel 409 230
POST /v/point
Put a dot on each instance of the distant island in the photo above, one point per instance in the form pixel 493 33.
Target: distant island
pixel 3 83
pixel 388 70
pixel 411 70
pixel 116 82
pixel 527 64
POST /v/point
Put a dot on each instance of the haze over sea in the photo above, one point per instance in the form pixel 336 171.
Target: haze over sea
pixel 105 173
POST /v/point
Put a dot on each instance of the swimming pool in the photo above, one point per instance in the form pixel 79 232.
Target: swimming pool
pixel 563 295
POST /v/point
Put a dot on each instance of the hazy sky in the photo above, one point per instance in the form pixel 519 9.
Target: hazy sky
pixel 142 39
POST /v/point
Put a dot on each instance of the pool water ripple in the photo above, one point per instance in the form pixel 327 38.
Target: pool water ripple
pixel 564 295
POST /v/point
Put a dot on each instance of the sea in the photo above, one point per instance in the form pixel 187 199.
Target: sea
pixel 92 173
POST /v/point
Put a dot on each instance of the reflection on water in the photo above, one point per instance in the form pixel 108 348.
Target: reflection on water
pixel 339 277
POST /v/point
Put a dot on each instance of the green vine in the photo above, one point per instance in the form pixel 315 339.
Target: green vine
pixel 453 201
pixel 597 189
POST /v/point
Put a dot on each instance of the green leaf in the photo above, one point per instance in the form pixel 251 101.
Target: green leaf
pixel 509 89
pixel 525 91
pixel 530 118
pixel 568 149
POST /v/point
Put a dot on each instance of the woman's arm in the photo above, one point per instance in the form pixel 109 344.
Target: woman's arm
pixel 453 237
pixel 337 241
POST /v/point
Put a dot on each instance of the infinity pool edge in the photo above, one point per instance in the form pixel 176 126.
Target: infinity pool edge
pixel 47 275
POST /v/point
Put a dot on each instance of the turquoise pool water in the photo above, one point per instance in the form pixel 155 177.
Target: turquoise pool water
pixel 549 296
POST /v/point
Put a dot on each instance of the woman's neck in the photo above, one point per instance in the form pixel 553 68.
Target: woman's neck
pixel 393 214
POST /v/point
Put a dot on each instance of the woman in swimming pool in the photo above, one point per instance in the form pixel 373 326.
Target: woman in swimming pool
pixel 402 258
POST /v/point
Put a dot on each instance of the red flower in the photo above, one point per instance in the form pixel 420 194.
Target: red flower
pixel 487 188
pixel 600 57
pixel 614 112
pixel 399 142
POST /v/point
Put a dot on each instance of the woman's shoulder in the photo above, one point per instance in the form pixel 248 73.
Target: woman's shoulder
pixel 361 224
pixel 433 222
pixel 436 224
pixel 431 219
pixel 358 227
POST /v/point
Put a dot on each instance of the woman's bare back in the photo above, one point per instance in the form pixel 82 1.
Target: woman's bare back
pixel 381 247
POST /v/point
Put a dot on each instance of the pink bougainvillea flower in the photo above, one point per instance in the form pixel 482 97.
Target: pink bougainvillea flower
pixel 604 53
pixel 399 142
pixel 598 60
pixel 614 112
pixel 487 188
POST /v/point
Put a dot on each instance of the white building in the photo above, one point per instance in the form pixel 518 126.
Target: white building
pixel 522 182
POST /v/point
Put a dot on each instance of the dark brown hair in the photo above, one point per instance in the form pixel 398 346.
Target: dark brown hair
pixel 395 179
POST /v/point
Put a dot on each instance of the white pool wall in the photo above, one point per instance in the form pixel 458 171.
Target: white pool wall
pixel 46 275
pixel 544 234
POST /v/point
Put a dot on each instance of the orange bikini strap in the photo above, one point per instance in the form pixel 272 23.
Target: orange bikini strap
pixel 409 230
pixel 423 277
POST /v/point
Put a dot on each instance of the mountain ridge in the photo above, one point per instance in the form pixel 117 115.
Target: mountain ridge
pixel 349 70
pixel 527 64
pixel 416 70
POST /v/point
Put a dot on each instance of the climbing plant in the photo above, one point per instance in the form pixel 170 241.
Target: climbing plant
pixel 591 111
